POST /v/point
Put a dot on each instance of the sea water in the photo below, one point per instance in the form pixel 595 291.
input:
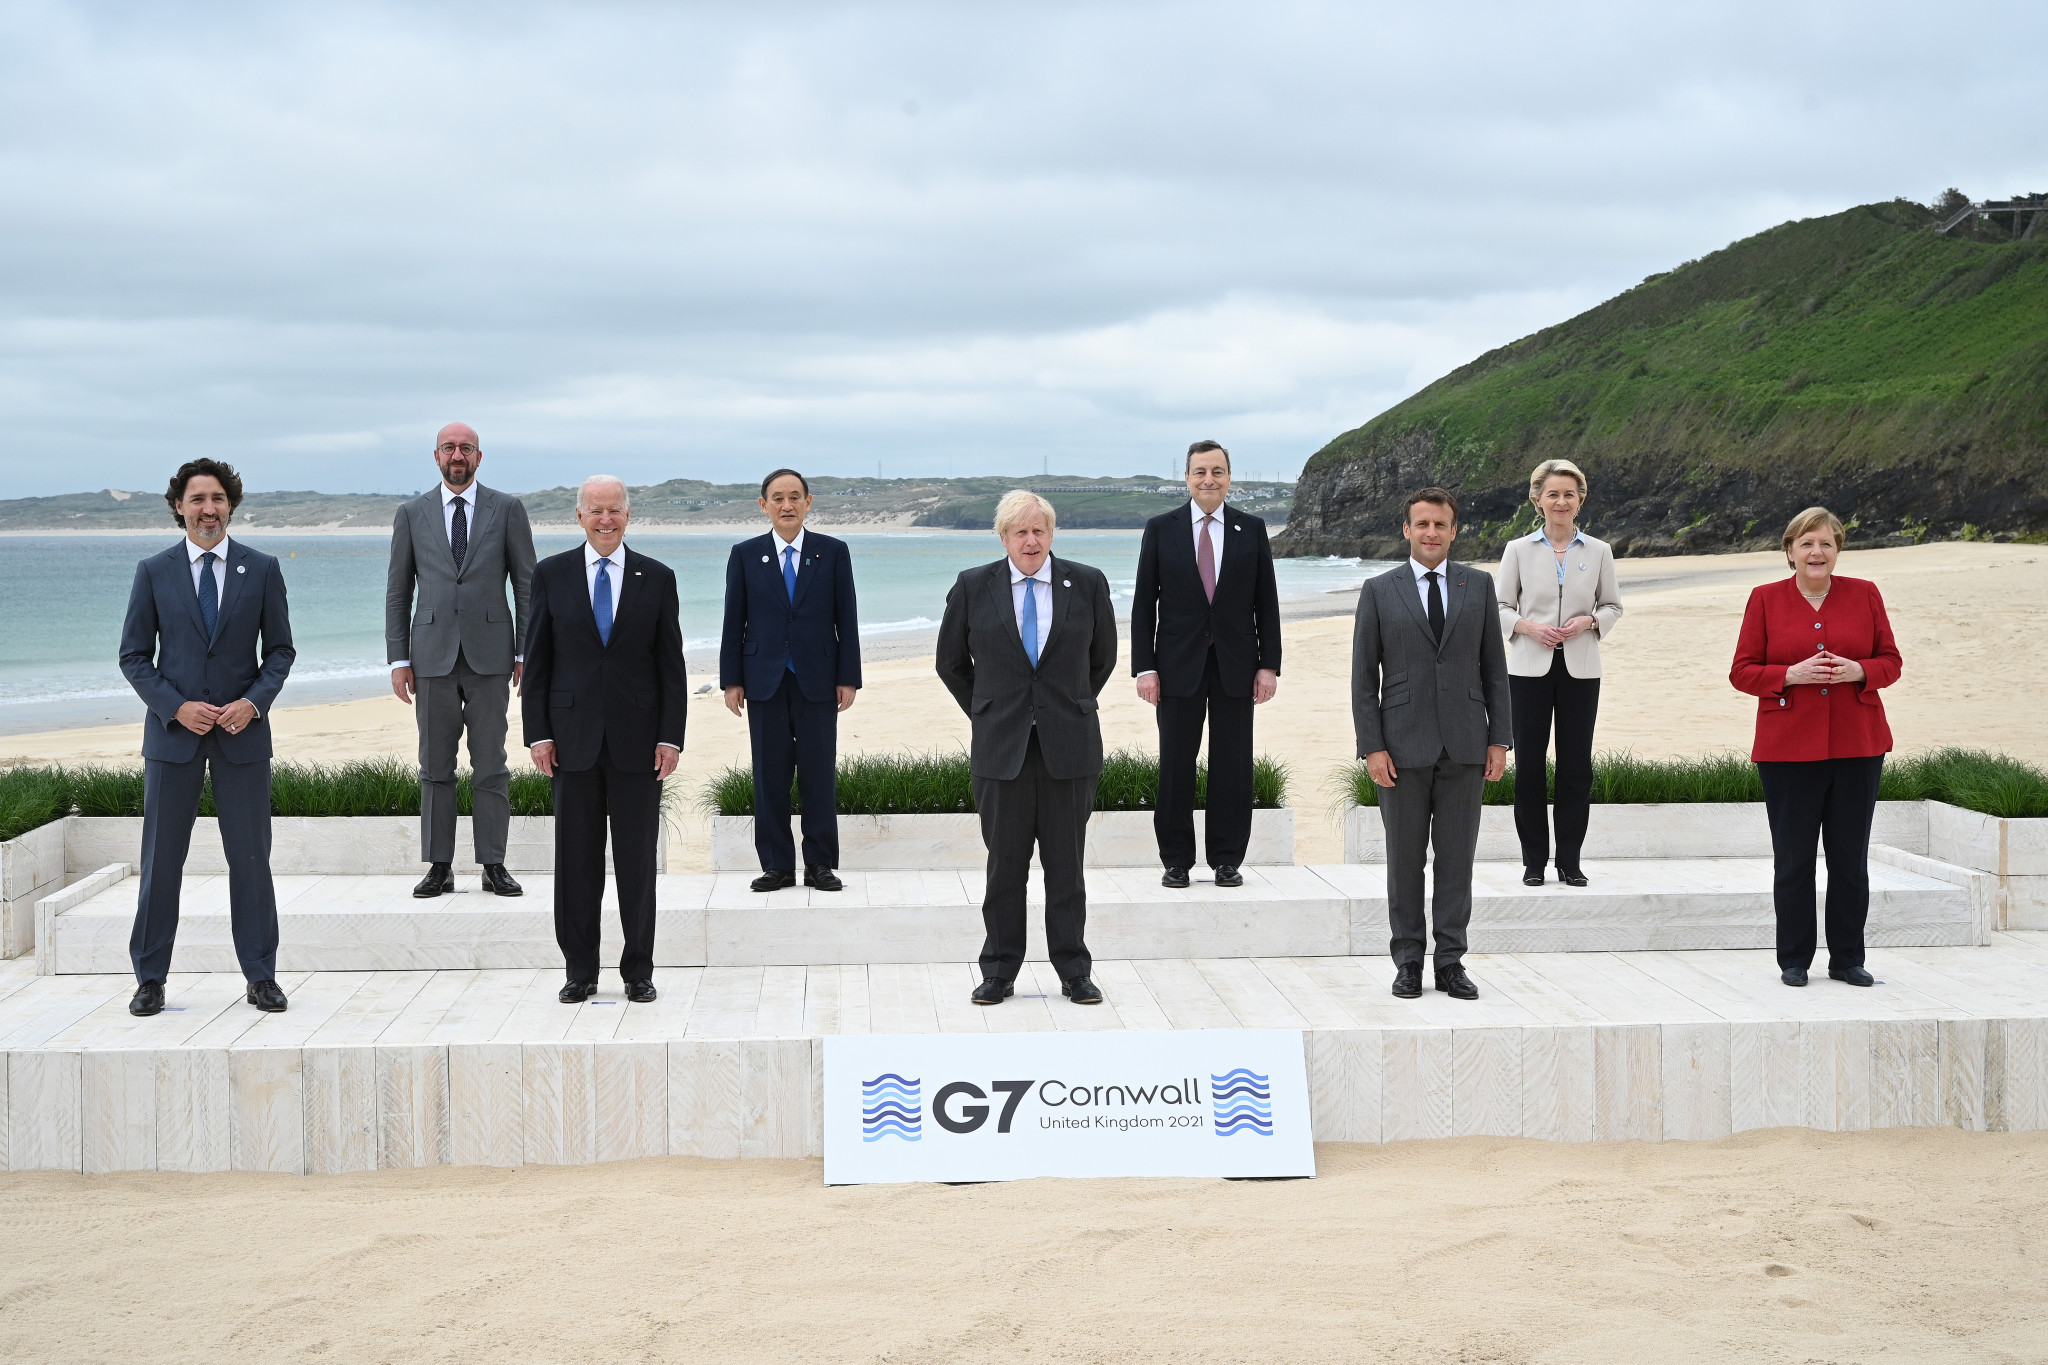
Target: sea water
pixel 62 599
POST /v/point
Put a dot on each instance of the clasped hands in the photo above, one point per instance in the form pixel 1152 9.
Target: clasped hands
pixel 1380 764
pixel 1550 637
pixel 1824 668
pixel 665 757
pixel 235 717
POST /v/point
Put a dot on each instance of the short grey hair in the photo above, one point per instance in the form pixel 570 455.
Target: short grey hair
pixel 1551 469
pixel 624 492
pixel 1020 503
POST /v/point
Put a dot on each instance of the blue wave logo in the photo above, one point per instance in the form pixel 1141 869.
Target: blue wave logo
pixel 890 1107
pixel 1241 1101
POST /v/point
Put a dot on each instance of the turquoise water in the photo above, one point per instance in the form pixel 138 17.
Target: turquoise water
pixel 62 599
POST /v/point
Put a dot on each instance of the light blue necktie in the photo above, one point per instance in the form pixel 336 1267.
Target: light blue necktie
pixel 789 583
pixel 1030 631
pixel 209 595
pixel 601 600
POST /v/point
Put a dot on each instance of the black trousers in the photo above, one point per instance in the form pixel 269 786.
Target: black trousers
pixel 1575 702
pixel 170 805
pixel 1828 802
pixel 794 735
pixel 1035 808
pixel 584 803
pixel 1229 816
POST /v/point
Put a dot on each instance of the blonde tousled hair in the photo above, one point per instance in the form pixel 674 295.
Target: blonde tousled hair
pixel 1019 503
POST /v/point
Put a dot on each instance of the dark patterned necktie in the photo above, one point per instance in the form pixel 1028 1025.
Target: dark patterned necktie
pixel 209 594
pixel 458 534
pixel 1436 608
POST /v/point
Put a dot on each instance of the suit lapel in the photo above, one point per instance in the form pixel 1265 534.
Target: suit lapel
pixel 234 565
pixel 1455 594
pixel 626 586
pixel 482 509
pixel 1005 605
pixel 181 569
pixel 579 584
pixel 1411 597
pixel 1059 595
pixel 806 570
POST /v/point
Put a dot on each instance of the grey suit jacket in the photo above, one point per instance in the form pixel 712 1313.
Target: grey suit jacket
pixel 169 660
pixel 981 660
pixel 432 612
pixel 1417 699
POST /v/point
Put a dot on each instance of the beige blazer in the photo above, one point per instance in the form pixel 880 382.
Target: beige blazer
pixel 1529 591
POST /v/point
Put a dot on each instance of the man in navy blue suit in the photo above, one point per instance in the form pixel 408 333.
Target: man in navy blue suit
pixel 206 645
pixel 790 656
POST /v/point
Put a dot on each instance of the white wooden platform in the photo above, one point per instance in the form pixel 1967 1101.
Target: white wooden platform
pixel 372 923
pixel 411 1068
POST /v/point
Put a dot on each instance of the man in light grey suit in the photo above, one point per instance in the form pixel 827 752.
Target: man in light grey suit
pixel 454 642
pixel 1429 700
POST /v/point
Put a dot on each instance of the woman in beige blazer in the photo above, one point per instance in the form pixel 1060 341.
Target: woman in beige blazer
pixel 1558 600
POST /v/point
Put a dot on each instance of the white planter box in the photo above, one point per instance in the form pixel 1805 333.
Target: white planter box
pixel 2015 851
pixel 365 845
pixel 935 842
pixel 31 867
pixel 1674 830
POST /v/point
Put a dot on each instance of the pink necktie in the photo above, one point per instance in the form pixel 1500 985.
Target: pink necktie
pixel 1205 559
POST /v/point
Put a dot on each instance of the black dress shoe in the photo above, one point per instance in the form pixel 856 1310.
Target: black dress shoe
pixel 576 992
pixel 1176 877
pixel 1793 976
pixel 1855 976
pixel 992 992
pixel 499 882
pixel 266 996
pixel 1453 982
pixel 1081 991
pixel 1228 875
pixel 822 879
pixel 149 998
pixel 1408 981
pixel 774 881
pixel 640 992
pixel 1532 876
pixel 439 881
pixel 1571 878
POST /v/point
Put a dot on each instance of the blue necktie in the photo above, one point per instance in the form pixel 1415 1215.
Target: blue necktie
pixel 601 600
pixel 1030 630
pixel 209 594
pixel 789 584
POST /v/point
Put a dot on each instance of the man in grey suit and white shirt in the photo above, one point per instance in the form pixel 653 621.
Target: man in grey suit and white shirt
pixel 455 644
pixel 1429 700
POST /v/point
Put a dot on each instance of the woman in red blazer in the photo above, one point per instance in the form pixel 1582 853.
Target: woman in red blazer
pixel 1814 651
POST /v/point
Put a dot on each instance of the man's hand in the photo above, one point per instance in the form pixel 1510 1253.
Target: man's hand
pixel 1380 764
pixel 518 676
pixel 544 757
pixel 665 757
pixel 198 717
pixel 1496 761
pixel 1265 683
pixel 402 683
pixel 735 699
pixel 845 696
pixel 1148 689
pixel 237 716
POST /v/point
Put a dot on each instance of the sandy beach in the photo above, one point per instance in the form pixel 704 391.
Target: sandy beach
pixel 1964 615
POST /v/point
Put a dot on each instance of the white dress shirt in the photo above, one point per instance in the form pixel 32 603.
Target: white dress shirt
pixel 1215 530
pixel 1041 584
pixel 1443 583
pixel 448 497
pixel 613 572
pixel 220 567
pixel 781 544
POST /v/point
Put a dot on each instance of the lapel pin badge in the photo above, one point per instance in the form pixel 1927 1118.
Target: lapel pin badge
pixel 1066 582
pixel 1235 527
pixel 241 568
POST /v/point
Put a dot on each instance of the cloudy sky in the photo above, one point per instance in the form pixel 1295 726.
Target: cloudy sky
pixel 693 240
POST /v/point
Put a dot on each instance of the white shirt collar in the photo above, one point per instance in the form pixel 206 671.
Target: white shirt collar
pixel 1415 567
pixel 1578 537
pixel 1044 574
pixel 1195 512
pixel 590 555
pixel 449 495
pixel 781 544
pixel 193 550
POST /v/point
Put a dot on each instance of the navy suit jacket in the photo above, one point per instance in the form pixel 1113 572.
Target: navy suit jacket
pixel 586 695
pixel 765 631
pixel 168 660
pixel 1173 625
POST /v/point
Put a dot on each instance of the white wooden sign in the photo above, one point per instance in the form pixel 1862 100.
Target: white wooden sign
pixel 1009 1106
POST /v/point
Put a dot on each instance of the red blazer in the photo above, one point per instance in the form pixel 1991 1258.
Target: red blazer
pixel 1806 722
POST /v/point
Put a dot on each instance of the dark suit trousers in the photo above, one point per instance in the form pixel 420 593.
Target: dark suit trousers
pixel 1576 704
pixel 1034 807
pixel 794 735
pixel 1829 803
pixel 170 804
pixel 1438 806
pixel 1229 816
pixel 584 802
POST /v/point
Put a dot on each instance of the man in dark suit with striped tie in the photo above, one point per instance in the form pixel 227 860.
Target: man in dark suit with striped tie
pixel 790 660
pixel 207 645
